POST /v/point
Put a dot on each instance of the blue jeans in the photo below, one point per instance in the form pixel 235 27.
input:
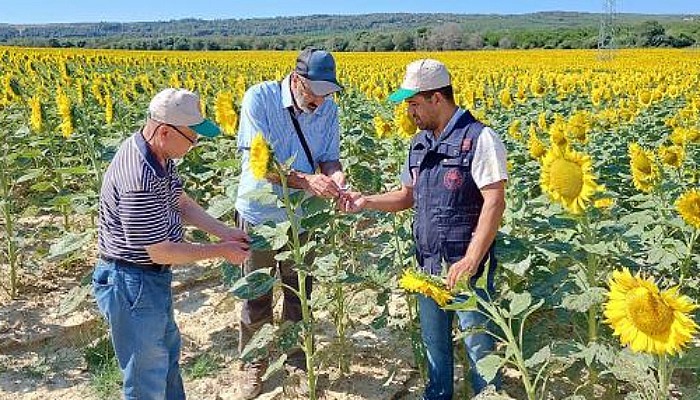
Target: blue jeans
pixel 436 329
pixel 137 304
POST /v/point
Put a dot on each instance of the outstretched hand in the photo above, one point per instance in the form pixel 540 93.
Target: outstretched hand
pixel 352 202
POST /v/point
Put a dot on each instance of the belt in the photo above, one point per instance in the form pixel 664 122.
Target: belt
pixel 148 267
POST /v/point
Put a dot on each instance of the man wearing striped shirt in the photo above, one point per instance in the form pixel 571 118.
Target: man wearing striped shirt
pixel 140 236
pixel 298 109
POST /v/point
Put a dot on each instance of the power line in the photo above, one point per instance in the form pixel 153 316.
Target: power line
pixel 608 30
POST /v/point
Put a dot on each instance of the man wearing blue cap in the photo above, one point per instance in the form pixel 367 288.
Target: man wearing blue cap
pixel 140 236
pixel 299 119
pixel 454 178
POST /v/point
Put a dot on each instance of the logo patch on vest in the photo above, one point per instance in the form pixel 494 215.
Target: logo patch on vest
pixel 453 179
pixel 466 144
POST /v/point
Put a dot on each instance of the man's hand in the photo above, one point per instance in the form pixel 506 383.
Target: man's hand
pixel 234 251
pixel 234 235
pixel 322 186
pixel 352 202
pixel 461 267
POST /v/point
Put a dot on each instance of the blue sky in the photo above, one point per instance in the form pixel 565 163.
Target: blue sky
pixel 46 11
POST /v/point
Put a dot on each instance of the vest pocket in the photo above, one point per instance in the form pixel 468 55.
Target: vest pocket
pixel 455 242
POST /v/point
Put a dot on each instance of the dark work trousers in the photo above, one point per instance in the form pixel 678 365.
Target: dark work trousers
pixel 257 312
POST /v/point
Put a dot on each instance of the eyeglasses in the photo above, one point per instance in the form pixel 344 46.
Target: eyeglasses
pixel 306 87
pixel 193 142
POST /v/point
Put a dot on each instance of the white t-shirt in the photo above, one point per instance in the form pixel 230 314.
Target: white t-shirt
pixel 488 165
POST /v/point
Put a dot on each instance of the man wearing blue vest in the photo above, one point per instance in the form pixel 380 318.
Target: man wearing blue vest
pixel 454 179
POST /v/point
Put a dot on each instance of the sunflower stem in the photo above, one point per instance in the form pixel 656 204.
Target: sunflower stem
pixel 308 328
pixel 664 377
pixel 686 260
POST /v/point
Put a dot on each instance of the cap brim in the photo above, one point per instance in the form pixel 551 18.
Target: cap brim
pixel 402 94
pixel 206 128
pixel 324 88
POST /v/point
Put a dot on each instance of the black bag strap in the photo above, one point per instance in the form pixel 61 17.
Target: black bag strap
pixel 302 139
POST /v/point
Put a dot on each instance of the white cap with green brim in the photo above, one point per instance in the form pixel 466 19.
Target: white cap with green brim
pixel 180 107
pixel 422 75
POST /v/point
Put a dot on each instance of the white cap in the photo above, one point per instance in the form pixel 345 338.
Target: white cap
pixel 422 75
pixel 180 107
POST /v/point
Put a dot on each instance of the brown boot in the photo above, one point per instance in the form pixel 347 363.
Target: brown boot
pixel 251 382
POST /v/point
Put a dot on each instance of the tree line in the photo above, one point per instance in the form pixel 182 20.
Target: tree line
pixel 373 32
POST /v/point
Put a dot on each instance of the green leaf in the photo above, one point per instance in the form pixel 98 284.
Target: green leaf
pixel 469 305
pixel 584 301
pixel 267 237
pixel 30 176
pixel 689 359
pixel 284 256
pixel 316 221
pixel 68 244
pixel 313 205
pixel 258 344
pixel 220 206
pixel 542 355
pixel 520 303
pixel 230 273
pixel 488 366
pixel 274 367
pixel 73 300
pixel 254 285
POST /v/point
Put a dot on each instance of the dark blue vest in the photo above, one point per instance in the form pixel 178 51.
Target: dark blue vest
pixel 447 202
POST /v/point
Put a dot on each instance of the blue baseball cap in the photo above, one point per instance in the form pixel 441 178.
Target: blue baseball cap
pixel 318 66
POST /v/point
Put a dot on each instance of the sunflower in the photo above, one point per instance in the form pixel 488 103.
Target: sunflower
pixel 404 123
pixel 578 126
pixel 567 177
pixel 382 127
pixel 505 98
pixel 36 120
pixel 645 98
pixel 682 136
pixel 557 132
pixel 536 87
pixel 514 129
pixel 688 205
pixel 260 156
pixel 534 144
pixel 417 282
pixel 604 203
pixel 645 318
pixel 645 171
pixel 672 156
pixel 542 121
pixel 224 113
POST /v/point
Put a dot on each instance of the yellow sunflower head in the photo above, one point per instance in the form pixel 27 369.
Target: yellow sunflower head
pixel 505 98
pixel 567 178
pixel 645 171
pixel 535 145
pixel 645 318
pixel 645 98
pixel 672 156
pixel 557 132
pixel 404 123
pixel 382 127
pixel 514 129
pixel 579 125
pixel 260 156
pixel 418 282
pixel 604 203
pixel 688 205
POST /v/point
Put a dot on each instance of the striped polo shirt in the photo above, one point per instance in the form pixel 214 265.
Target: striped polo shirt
pixel 138 203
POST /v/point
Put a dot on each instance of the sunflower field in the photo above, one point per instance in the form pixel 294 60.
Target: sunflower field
pixel 599 251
